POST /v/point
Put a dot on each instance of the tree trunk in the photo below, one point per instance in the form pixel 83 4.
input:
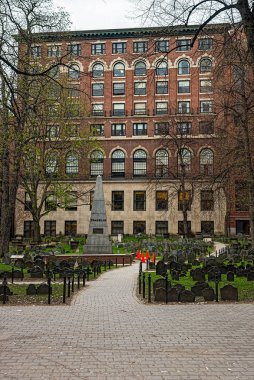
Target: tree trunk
pixel 37 230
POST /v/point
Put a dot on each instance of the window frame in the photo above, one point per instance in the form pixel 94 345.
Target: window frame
pixel 139 203
pixel 117 204
pixel 119 47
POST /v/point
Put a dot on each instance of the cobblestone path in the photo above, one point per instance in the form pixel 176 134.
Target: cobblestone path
pixel 108 334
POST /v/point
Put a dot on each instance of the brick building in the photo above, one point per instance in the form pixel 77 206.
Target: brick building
pixel 148 95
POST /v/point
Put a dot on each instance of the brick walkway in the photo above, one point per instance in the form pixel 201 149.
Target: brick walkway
pixel 108 334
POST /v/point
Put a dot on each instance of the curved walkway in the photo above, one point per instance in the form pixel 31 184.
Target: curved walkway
pixel 108 334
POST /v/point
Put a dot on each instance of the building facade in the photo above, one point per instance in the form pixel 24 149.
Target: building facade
pixel 148 98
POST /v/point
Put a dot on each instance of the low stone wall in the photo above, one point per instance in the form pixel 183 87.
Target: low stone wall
pixel 120 259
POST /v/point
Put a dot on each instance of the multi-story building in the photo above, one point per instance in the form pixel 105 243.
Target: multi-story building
pixel 148 97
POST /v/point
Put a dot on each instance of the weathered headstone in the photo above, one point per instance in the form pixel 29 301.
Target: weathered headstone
pixel 186 296
pixel 161 268
pixel 208 294
pixel 229 293
pixel 31 290
pixel 43 289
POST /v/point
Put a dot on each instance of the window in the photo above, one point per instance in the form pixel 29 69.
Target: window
pixel 139 129
pixel 73 130
pixel 206 161
pixel 54 72
pixel 161 87
pixel 72 164
pixel 139 227
pixel 96 163
pixel 118 47
pixel 207 227
pixel 97 89
pixel 139 201
pixel 140 69
pixel 183 87
pixel 117 227
pixel 50 228
pixel 50 201
pixel 140 109
pixel 241 196
pixel 52 131
pixel 181 228
pixel 72 109
pixel 184 201
pixel 140 88
pixel 161 163
pixel 205 86
pixel 161 108
pixel 183 67
pixel 161 227
pixel 183 107
pixel 74 91
pixel 119 70
pixel 139 163
pixel 118 109
pixel 162 46
pixel 71 201
pixel 70 228
pixel 184 160
pixel 161 128
pixel 206 106
pixel 206 200
pixel 206 127
pixel 54 51
pixel 28 203
pixel 162 68
pixel 183 45
pixel 118 163
pixel 140 47
pixel 97 109
pixel 205 43
pixel 161 202
pixel 74 49
pixel 98 49
pixel 74 72
pixel 28 229
pixel 183 128
pixel 97 129
pixel 118 130
pixel 98 70
pixel 35 51
pixel 118 88
pixel 205 65
pixel 51 166
pixel 117 201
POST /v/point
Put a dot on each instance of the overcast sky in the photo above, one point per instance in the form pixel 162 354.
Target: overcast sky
pixel 99 14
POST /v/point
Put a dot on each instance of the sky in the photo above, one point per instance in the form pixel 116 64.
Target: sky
pixel 99 14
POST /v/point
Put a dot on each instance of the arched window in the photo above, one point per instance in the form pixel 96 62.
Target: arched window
pixel 161 163
pixel 139 163
pixel 98 70
pixel 118 163
pixel 205 65
pixel 184 160
pixel 71 163
pixel 119 70
pixel 51 168
pixel 162 68
pixel 206 161
pixel 74 72
pixel 96 163
pixel 140 69
pixel 184 67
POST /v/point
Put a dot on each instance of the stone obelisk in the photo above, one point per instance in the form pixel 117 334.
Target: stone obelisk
pixel 98 239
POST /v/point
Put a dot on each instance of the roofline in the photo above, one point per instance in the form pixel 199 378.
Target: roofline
pixel 176 30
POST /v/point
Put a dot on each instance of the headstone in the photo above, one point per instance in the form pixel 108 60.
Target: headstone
pixel 98 239
pixel 230 276
pixel 36 272
pixel 198 288
pixel 31 290
pixel 161 268
pixel 229 293
pixel 198 275
pixel 18 274
pixel 173 295
pixel 160 295
pixel 186 296
pixel 208 294
pixel 43 289
pixel 250 276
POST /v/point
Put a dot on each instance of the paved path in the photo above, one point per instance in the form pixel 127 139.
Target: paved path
pixel 108 334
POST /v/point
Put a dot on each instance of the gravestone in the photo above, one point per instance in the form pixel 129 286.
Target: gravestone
pixel 161 268
pixel 198 275
pixel 208 294
pixel 36 272
pixel 31 290
pixel 198 288
pixel 160 283
pixel 186 296
pixel 18 274
pixel 160 295
pixel 173 295
pixel 98 239
pixel 229 293
pixel 43 289
pixel 250 276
